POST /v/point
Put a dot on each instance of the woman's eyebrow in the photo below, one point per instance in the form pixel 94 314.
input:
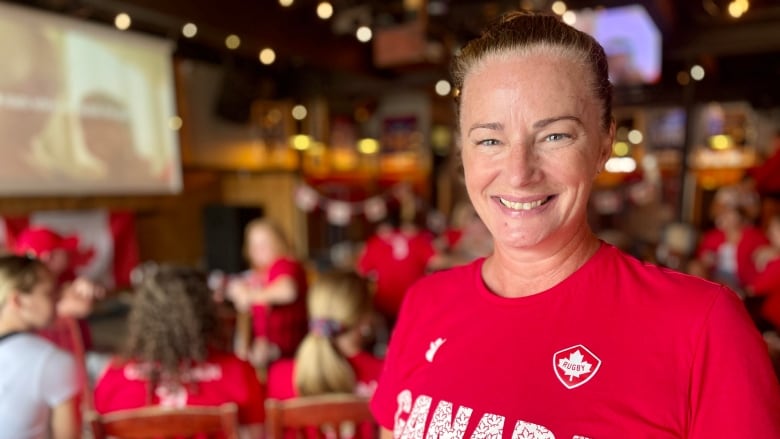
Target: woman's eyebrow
pixel 495 126
pixel 544 122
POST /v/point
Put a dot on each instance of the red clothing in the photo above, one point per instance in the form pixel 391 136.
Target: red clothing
pixel 767 175
pixel 767 283
pixel 397 259
pixel 367 369
pixel 752 238
pixel 222 378
pixel 283 325
pixel 619 349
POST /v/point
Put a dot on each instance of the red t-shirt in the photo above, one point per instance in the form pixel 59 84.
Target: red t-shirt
pixel 752 238
pixel 767 283
pixel 619 349
pixel 367 370
pixel 222 378
pixel 283 325
pixel 397 259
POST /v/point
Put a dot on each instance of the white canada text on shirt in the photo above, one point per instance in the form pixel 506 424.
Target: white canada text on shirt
pixel 446 422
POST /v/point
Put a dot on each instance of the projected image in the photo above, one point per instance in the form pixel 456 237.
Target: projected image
pixel 83 109
pixel 630 39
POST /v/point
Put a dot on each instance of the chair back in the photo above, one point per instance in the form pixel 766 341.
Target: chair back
pixel 162 422
pixel 333 411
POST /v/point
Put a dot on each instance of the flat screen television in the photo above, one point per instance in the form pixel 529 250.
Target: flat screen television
pixel 631 40
pixel 84 108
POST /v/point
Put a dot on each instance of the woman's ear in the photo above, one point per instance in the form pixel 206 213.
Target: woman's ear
pixel 13 300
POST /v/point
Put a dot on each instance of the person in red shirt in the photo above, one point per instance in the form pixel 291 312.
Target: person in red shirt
pixel 171 357
pixel 394 257
pixel 767 282
pixel 726 253
pixel 557 334
pixel 274 289
pixel 331 358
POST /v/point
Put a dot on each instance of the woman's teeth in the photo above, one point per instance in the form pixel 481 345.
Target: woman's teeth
pixel 522 206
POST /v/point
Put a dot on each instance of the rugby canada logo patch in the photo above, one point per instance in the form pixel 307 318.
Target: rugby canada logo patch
pixel 575 366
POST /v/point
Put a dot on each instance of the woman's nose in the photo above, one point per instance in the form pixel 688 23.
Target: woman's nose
pixel 522 165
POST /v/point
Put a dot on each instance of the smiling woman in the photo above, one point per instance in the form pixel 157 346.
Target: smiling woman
pixel 546 334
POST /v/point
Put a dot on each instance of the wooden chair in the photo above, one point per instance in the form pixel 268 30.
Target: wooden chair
pixel 333 411
pixel 161 422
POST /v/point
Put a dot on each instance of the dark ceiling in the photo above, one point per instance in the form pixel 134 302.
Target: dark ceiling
pixel 741 55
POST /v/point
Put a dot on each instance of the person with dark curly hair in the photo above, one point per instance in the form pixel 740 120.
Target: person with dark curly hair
pixel 171 357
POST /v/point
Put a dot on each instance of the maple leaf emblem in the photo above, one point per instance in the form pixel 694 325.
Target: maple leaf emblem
pixel 575 365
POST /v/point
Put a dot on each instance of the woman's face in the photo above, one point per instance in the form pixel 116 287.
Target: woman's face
pixel 532 144
pixel 262 248
pixel 37 307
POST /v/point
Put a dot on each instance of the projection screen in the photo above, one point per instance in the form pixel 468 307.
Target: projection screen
pixel 84 108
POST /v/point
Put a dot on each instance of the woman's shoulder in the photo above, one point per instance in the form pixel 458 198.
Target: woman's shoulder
pixel 657 284
pixel 31 345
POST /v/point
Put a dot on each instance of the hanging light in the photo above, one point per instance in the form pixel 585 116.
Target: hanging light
pixel 122 21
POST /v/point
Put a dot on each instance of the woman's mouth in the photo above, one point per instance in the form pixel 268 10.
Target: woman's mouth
pixel 523 206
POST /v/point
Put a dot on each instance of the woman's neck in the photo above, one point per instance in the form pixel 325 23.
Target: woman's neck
pixel 525 272
pixel 10 323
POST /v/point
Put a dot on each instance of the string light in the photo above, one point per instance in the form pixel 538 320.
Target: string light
pixel 189 30
pixel 635 137
pixel 267 56
pixel 175 123
pixel 569 17
pixel 286 3
pixel 364 34
pixel 443 87
pixel 232 41
pixel 299 112
pixel 324 10
pixel 697 72
pixel 559 7
pixel 122 21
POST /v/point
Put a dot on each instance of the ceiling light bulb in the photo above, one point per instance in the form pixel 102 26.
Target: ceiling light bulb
pixel 232 41
pixel 122 21
pixel 559 7
pixel 324 10
pixel 443 87
pixel 697 72
pixel 286 3
pixel 267 56
pixel 299 112
pixel 364 34
pixel 189 30
pixel 569 17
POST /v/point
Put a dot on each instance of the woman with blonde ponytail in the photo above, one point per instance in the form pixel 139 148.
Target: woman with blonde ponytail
pixel 331 358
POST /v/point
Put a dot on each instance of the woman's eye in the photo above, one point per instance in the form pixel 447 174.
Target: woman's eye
pixel 488 142
pixel 556 137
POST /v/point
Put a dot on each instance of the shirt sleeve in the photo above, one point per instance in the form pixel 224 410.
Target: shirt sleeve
pixel 282 267
pixel 60 380
pixel 734 391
